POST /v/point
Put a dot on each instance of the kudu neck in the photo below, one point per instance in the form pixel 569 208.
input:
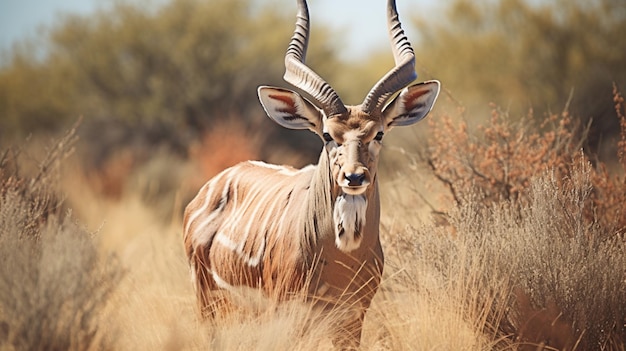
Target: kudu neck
pixel 318 221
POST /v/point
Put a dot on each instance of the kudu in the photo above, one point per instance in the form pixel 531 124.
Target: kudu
pixel 314 230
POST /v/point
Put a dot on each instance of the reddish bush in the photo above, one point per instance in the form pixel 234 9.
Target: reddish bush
pixel 563 231
pixel 225 144
pixel 110 178
pixel 500 159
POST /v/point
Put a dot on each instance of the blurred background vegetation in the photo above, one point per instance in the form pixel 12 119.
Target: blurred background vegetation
pixel 544 56
pixel 169 73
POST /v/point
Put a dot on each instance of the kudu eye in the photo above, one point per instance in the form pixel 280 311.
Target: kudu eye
pixel 379 136
pixel 327 137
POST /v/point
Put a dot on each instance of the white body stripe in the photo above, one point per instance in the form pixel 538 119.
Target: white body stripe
pixel 221 283
pixel 202 209
pixel 202 235
pixel 222 239
pixel 254 261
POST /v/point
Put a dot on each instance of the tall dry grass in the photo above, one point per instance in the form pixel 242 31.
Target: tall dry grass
pixel 54 284
pixel 536 278
pixel 530 191
pixel 500 275
pixel 437 283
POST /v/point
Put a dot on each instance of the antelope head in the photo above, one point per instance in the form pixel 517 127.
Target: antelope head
pixel 352 135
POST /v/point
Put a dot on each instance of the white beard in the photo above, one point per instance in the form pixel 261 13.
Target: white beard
pixel 349 214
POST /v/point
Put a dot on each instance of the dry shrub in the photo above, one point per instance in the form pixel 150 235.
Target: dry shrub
pixel 36 185
pixel 550 223
pixel 53 283
pixel 570 270
pixel 608 198
pixel 155 180
pixel 532 278
pixel 118 157
pixel 110 178
pixel 501 159
pixel 223 145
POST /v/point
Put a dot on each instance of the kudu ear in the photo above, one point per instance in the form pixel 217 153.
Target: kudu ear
pixel 411 105
pixel 289 109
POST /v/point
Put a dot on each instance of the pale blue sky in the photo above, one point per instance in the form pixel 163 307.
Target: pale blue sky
pixel 365 26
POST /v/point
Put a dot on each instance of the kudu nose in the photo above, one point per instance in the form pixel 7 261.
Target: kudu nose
pixel 355 179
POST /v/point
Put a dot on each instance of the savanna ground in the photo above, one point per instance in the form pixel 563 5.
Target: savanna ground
pixel 503 230
pixel 528 254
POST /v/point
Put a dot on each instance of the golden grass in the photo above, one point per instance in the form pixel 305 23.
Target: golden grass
pixel 472 288
pixel 154 306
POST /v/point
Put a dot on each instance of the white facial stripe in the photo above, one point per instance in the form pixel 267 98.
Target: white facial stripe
pixel 352 134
